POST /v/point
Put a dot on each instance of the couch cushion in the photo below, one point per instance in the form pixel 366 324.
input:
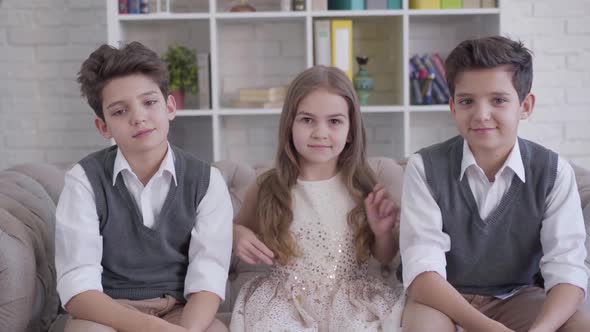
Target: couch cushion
pixel 17 274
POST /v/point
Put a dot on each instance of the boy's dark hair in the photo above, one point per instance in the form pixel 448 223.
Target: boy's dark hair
pixel 490 52
pixel 107 63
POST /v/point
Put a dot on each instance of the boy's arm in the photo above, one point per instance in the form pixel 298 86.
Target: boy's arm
pixel 562 238
pixel 98 307
pixel 78 255
pixel 430 289
pixel 561 303
pixel 423 245
pixel 199 311
pixel 209 254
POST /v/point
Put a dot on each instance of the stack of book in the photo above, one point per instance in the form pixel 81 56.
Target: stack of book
pixel 428 83
pixel 264 97
pixel 449 4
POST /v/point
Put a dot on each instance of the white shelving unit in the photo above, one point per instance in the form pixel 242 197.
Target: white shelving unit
pixel 270 47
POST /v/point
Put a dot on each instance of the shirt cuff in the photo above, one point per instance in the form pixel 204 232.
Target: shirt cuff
pixel 213 280
pixel 81 280
pixel 557 273
pixel 420 259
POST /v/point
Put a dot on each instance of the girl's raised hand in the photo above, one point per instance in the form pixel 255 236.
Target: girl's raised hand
pixel 249 248
pixel 382 213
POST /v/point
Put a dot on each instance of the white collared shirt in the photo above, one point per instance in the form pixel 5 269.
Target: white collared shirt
pixel 78 243
pixel 423 243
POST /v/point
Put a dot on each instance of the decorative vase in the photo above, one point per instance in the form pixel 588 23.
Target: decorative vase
pixel 179 98
pixel 363 83
pixel 243 7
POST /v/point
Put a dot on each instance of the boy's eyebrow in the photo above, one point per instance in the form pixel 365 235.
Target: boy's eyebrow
pixel 495 93
pixel 122 102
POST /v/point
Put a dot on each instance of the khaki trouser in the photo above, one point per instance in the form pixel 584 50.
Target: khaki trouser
pixel 517 313
pixel 166 308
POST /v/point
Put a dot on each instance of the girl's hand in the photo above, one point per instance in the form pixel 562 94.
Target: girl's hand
pixel 382 214
pixel 249 248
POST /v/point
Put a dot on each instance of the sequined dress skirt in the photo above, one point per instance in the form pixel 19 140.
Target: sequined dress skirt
pixel 283 301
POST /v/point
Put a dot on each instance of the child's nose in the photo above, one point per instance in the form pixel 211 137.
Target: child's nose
pixel 320 131
pixel 138 116
pixel 483 112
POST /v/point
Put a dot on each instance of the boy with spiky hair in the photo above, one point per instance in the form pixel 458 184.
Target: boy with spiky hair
pixel 492 232
pixel 143 229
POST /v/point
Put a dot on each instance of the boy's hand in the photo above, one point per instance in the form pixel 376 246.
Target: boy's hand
pixel 382 214
pixel 249 248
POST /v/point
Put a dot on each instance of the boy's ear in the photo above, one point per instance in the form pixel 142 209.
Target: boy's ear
pixel 102 128
pixel 171 107
pixel 527 106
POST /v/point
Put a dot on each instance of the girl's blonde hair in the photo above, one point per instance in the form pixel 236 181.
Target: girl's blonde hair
pixel 274 211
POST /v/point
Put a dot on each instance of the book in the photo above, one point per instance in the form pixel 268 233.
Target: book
pixel 376 4
pixel 488 4
pixel 341 38
pixel 134 6
pixel 204 68
pixel 438 79
pixel 439 64
pixel 424 4
pixel 346 4
pixel 471 3
pixel 263 94
pixel 450 4
pixel 257 104
pixel 319 5
pixel 322 44
pixel 394 4
pixel 123 7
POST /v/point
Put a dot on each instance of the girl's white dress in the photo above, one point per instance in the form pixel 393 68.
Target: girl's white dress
pixel 324 289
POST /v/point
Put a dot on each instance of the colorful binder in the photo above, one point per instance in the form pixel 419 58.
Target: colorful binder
pixel 342 45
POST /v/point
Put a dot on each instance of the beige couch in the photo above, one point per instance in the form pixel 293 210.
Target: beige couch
pixel 28 195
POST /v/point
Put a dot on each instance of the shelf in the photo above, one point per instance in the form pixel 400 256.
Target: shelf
pixel 442 12
pixel 382 109
pixel 183 113
pixel 249 111
pixel 429 108
pixel 357 13
pixel 260 16
pixel 163 16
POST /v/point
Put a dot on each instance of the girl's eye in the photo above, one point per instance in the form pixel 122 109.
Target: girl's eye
pixel 306 120
pixel 335 121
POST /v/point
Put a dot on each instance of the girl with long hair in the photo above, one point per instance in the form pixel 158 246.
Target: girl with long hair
pixel 317 216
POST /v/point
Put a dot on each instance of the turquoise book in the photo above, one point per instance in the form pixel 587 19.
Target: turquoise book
pixel 394 4
pixel 346 4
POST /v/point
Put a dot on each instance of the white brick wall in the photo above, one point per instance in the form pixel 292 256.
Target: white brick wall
pixel 43 42
pixel 560 38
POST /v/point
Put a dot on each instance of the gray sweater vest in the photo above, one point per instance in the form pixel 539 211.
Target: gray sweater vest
pixel 501 252
pixel 140 262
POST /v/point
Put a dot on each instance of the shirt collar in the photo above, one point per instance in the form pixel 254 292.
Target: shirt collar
pixel 167 165
pixel 514 161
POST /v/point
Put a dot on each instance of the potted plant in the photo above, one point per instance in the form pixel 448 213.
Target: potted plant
pixel 182 72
